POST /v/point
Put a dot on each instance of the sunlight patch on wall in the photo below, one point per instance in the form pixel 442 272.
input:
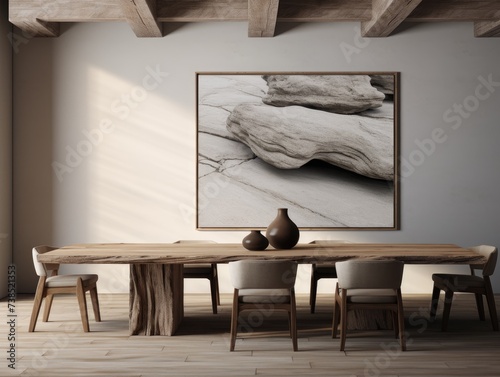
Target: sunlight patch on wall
pixel 143 159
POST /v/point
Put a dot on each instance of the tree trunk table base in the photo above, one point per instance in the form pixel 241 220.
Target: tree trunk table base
pixel 156 298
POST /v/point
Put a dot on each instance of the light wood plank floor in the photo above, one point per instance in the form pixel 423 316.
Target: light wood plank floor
pixel 201 348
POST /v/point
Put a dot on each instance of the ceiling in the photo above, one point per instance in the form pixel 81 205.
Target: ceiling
pixel 378 18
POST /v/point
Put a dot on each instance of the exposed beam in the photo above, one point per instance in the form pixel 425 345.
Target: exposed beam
pixel 487 29
pixel 141 15
pixel 202 10
pixel 65 10
pixel 456 10
pixel 37 28
pixel 386 16
pixel 262 16
pixel 289 10
pixel 40 17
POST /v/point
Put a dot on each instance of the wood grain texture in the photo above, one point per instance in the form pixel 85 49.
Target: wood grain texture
pixel 456 10
pixel 237 10
pixel 126 253
pixel 41 17
pixel 262 16
pixel 141 16
pixel 202 10
pixel 487 29
pixel 387 15
pixel 37 28
pixel 65 10
pixel 156 299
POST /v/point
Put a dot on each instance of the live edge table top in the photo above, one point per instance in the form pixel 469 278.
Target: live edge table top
pixel 320 252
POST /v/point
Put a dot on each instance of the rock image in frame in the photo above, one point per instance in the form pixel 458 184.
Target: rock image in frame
pixel 323 145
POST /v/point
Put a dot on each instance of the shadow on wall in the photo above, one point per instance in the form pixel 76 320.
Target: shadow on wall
pixel 33 137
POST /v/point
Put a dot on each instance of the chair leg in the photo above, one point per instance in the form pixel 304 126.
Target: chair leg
pixel 213 293
pixel 216 277
pixel 48 306
pixel 490 299
pixel 336 317
pixel 343 320
pixel 448 298
pixel 401 325
pixel 395 323
pixel 434 303
pixel 234 320
pixel 37 303
pixel 293 320
pixel 95 304
pixel 401 322
pixel 480 306
pixel 82 302
pixel 313 292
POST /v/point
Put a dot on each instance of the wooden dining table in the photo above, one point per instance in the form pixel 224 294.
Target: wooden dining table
pixel 156 269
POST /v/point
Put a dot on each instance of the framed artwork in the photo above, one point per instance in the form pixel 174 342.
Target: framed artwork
pixel 324 145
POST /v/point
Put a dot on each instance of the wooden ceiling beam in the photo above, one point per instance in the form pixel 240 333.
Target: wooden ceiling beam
pixel 40 17
pixel 456 10
pixel 262 16
pixel 487 29
pixel 289 10
pixel 37 28
pixel 141 16
pixel 202 10
pixel 65 10
pixel 387 15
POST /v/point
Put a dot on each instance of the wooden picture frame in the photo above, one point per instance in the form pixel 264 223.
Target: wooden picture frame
pixel 324 145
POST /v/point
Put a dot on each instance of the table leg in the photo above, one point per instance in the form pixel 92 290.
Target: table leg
pixel 156 298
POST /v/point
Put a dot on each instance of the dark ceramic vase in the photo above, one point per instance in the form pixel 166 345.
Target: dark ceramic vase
pixel 282 233
pixel 255 241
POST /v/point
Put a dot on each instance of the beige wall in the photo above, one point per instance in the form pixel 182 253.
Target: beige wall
pixel 138 176
pixel 5 148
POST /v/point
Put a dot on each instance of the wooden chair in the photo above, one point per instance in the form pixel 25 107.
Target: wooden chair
pixel 479 285
pixel 369 284
pixel 321 271
pixel 204 271
pixel 261 286
pixel 50 284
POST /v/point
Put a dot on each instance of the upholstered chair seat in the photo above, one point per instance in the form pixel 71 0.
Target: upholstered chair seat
pixel 263 286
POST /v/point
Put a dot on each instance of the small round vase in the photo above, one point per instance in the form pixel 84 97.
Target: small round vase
pixel 255 241
pixel 282 233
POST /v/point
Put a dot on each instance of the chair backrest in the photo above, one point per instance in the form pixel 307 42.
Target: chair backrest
pixel 41 268
pixel 491 254
pixel 366 274
pixel 257 274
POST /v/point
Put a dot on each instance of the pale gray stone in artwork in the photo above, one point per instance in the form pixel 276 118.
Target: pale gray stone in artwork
pixel 310 194
pixel 220 153
pixel 288 138
pixel 385 111
pixel 345 94
pixel 217 100
pixel 383 83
